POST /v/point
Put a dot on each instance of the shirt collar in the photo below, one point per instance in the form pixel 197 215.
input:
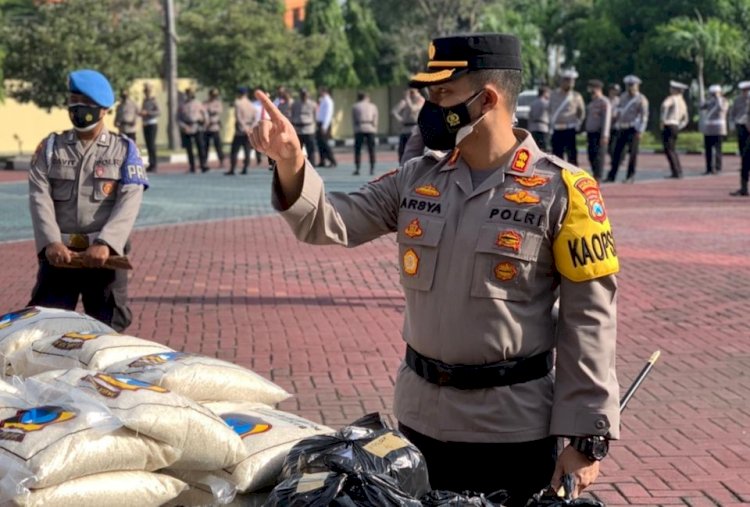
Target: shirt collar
pixel 521 163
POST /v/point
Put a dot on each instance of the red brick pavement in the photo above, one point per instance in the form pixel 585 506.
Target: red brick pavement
pixel 324 322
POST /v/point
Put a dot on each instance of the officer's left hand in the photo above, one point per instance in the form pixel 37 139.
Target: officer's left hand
pixel 573 462
pixel 95 256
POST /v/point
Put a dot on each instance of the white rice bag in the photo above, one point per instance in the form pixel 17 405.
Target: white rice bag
pixel 19 329
pixel 202 378
pixel 205 489
pixel 113 489
pixel 81 349
pixel 47 444
pixel 204 440
pixel 268 435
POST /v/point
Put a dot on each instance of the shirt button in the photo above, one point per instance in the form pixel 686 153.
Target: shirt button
pixel 601 424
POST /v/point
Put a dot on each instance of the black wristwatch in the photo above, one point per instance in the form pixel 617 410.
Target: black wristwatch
pixel 595 448
pixel 98 241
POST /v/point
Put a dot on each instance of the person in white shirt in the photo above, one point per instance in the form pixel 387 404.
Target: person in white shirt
pixel 260 115
pixel 324 120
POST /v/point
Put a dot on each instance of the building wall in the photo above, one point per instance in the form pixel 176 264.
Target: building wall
pixel 295 13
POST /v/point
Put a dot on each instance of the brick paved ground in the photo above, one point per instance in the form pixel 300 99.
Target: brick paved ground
pixel 324 322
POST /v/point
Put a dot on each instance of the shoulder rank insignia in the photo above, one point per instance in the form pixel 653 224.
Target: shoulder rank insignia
pixel 411 262
pixel 531 181
pixel 414 229
pixel 521 160
pixel 384 176
pixel 522 197
pixel 428 191
pixel 510 240
pixel 584 247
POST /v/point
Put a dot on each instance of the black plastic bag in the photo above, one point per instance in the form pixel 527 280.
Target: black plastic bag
pixel 367 445
pixel 466 499
pixel 341 489
pixel 549 498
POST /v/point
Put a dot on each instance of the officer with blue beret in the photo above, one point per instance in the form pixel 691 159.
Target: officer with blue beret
pixel 85 190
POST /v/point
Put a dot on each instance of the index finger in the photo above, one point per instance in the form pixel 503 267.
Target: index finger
pixel 269 106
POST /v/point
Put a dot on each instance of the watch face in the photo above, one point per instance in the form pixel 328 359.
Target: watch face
pixel 599 449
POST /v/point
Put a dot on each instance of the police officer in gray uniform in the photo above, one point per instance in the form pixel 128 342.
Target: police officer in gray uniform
pixel 598 120
pixel 303 119
pixel 738 115
pixel 214 109
pixel 191 119
pixel 406 113
pixel 631 122
pixel 85 190
pixel 365 123
pixel 150 114
pixel 487 235
pixel 713 125
pixel 566 114
pixel 539 118
pixel 126 115
pixel 674 118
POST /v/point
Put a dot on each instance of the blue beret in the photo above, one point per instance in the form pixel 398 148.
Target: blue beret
pixel 93 85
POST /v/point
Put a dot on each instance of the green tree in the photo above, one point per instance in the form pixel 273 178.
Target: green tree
pixel 115 37
pixel 704 42
pixel 365 42
pixel 222 46
pixel 325 18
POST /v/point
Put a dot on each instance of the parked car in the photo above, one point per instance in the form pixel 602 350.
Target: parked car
pixel 525 98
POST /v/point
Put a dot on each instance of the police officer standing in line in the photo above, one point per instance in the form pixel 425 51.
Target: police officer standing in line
pixel 487 235
pixel 539 118
pixel 150 117
pixel 598 120
pixel 738 115
pixel 85 190
pixel 303 119
pixel 406 113
pixel 674 118
pixel 365 123
pixel 245 116
pixel 632 119
pixel 566 114
pixel 745 170
pixel 614 101
pixel 324 123
pixel 126 115
pixel 713 124
pixel 191 119
pixel 214 109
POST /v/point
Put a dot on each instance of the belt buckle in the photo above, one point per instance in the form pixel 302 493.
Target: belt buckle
pixel 443 375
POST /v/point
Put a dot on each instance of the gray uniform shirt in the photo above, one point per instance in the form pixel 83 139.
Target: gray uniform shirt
pixel 191 117
pixel 365 117
pixel 674 111
pixel 303 116
pixel 566 109
pixel 539 115
pixel 151 109
pixel 599 116
pixel 406 112
pixel 245 115
pixel 738 112
pixel 632 112
pixel 479 271
pixel 214 109
pixel 126 116
pixel 714 116
pixel 93 189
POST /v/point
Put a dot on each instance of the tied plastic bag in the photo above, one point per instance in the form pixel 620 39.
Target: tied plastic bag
pixel 466 499
pixel 201 378
pixel 268 435
pixel 340 487
pixel 81 349
pixel 204 440
pixel 61 436
pixel 113 489
pixel 367 445
pixel 203 490
pixel 19 329
pixel 549 498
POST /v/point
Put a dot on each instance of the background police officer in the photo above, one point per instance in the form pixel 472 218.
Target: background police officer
pixel 674 117
pixel 539 117
pixel 191 119
pixel 150 114
pixel 85 190
pixel 632 120
pixel 475 387
pixel 214 109
pixel 406 113
pixel 598 119
pixel 365 122
pixel 303 119
pixel 245 116
pixel 566 114
pixel 713 125
pixel 126 115
pixel 738 115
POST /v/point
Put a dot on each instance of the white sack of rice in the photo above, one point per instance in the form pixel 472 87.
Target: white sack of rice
pixel 205 441
pixel 46 445
pixel 81 349
pixel 111 489
pixel 202 378
pixel 20 328
pixel 203 489
pixel 268 435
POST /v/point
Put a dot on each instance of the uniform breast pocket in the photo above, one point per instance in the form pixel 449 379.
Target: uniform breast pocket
pixel 105 183
pixel 505 262
pixel 62 182
pixel 418 239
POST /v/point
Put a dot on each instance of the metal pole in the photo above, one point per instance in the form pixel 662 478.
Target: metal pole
pixel 170 42
pixel 639 380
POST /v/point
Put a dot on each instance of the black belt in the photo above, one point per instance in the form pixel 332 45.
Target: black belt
pixel 503 373
pixel 409 124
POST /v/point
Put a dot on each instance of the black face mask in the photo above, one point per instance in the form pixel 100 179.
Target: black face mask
pixel 439 125
pixel 84 116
